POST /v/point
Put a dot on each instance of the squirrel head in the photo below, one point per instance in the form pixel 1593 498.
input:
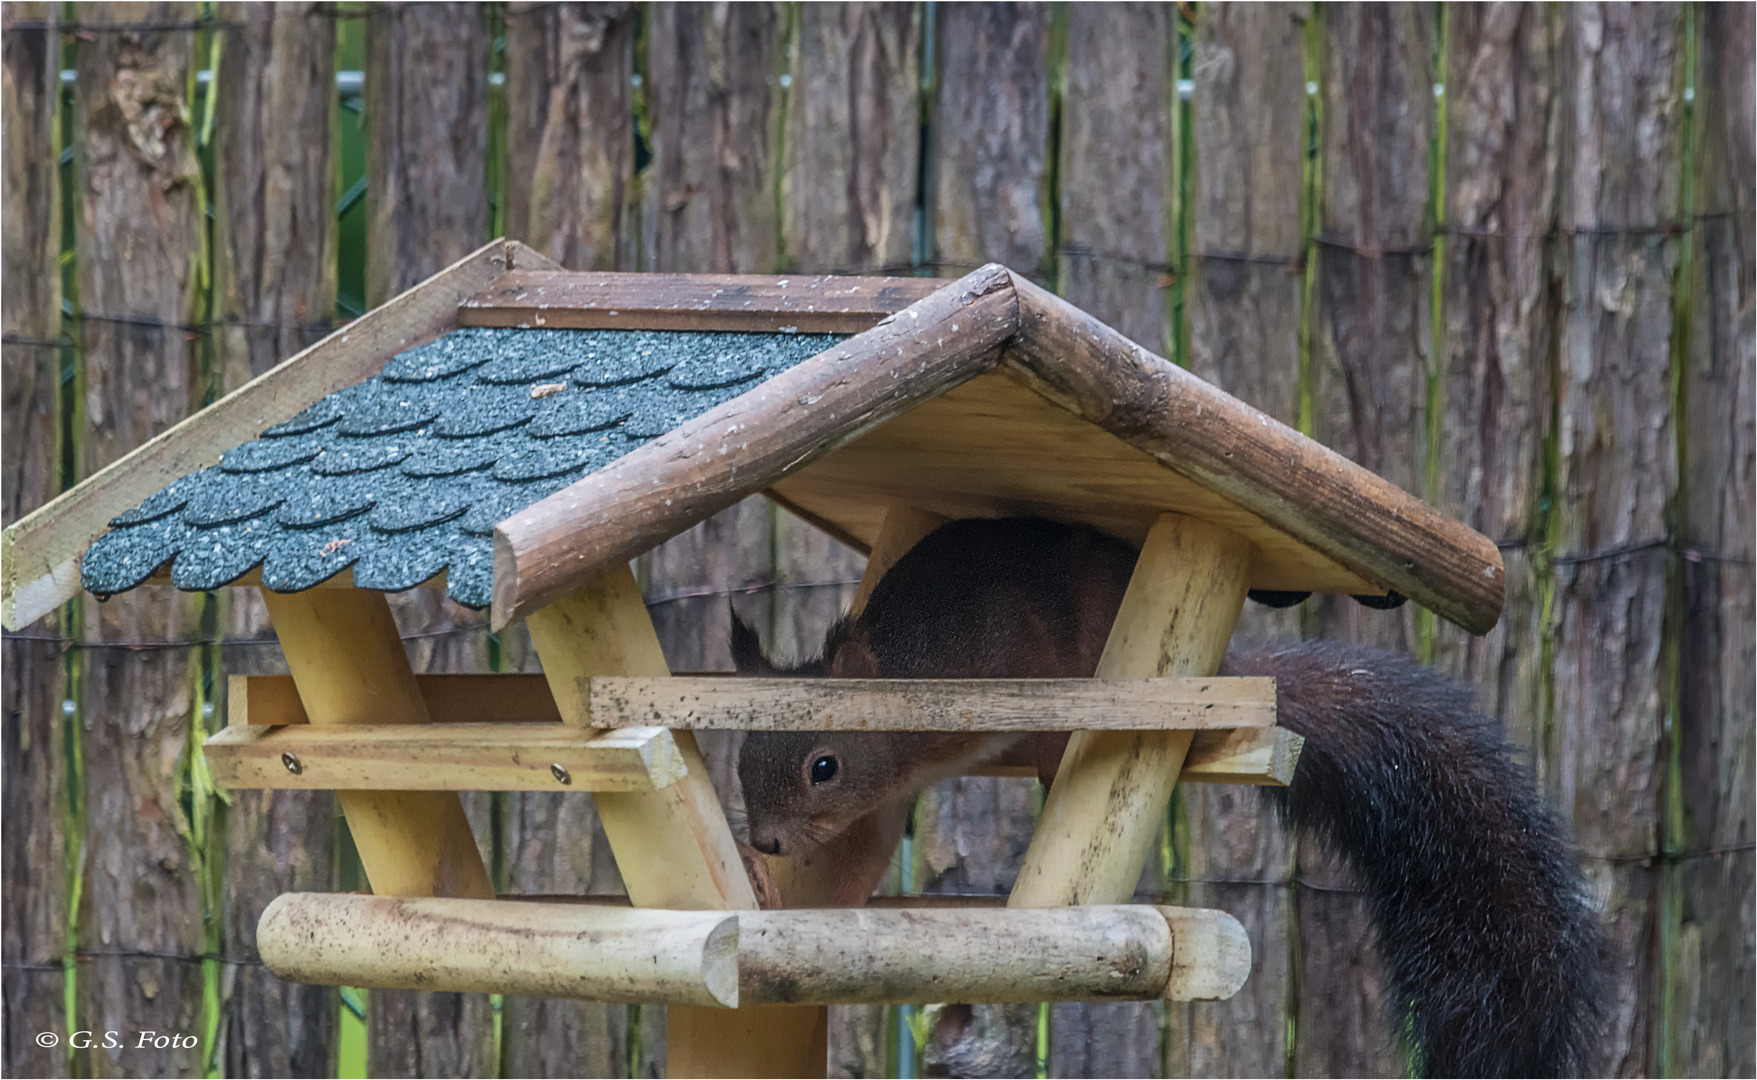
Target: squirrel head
pixel 803 787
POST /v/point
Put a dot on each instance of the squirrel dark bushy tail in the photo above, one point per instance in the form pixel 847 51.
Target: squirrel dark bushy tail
pixel 1492 948
pixel 1496 958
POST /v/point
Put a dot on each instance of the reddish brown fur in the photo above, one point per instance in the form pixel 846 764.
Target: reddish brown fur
pixel 1495 958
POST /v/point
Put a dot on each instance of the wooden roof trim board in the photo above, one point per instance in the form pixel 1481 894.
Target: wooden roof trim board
pixel 741 447
pixel 1356 517
pixel 39 554
pixel 616 301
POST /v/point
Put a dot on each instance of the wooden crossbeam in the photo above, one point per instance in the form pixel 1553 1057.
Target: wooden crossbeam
pixel 804 303
pixel 444 757
pixel 934 704
pixel 1243 755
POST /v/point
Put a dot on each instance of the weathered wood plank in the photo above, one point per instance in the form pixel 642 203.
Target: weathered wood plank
pixel 442 757
pixel 933 704
pixel 427 147
pixel 1494 387
pixel 826 401
pixel 713 102
pixel 989 141
pixel 1116 166
pixel 1711 1028
pixel 569 188
pixel 33 924
pixel 1370 357
pixel 1617 470
pixel 1249 102
pixel 807 304
pixel 138 241
pixel 1361 520
pixel 1372 335
pixel 31 313
pixel 848 167
pixel 41 568
pixel 274 196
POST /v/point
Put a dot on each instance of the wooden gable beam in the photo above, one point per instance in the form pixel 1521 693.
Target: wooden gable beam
pixel 39 553
pixel 1356 517
pixel 651 494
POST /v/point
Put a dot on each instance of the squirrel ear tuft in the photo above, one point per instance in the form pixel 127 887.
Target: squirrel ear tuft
pixel 747 648
pixel 854 659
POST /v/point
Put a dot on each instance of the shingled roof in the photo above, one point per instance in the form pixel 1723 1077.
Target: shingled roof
pixel 583 418
pixel 403 476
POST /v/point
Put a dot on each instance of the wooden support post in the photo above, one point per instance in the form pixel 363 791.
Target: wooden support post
pixel 348 662
pixel 1109 796
pixel 903 528
pixel 672 845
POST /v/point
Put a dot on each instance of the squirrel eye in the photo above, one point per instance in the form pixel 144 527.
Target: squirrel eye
pixel 823 770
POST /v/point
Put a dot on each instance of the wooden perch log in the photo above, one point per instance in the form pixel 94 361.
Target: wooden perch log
pixel 850 955
pixel 1364 522
pixel 805 303
pixel 933 704
pixel 812 956
pixel 495 946
pixel 748 443
pixel 39 554
pixel 444 757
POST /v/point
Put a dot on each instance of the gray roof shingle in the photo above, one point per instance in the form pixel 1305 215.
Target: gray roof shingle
pixel 405 474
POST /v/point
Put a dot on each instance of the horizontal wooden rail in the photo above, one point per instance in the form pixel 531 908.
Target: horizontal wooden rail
pixel 1239 755
pixel 273 700
pixel 805 957
pixel 1263 756
pixel 443 757
pixel 933 704
pixel 805 303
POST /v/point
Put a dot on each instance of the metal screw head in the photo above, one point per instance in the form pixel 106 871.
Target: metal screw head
pixel 291 761
pixel 560 774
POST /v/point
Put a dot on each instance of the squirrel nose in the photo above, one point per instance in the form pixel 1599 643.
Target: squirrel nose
pixel 767 847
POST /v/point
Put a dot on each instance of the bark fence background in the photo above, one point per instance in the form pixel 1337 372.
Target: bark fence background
pixel 1501 254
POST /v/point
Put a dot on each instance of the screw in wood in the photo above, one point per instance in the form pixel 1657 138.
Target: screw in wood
pixel 560 774
pixel 291 761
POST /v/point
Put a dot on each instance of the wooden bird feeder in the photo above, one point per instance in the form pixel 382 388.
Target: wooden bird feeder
pixel 420 446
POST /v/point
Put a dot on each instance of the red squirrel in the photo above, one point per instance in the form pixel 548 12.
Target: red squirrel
pixel 1497 961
